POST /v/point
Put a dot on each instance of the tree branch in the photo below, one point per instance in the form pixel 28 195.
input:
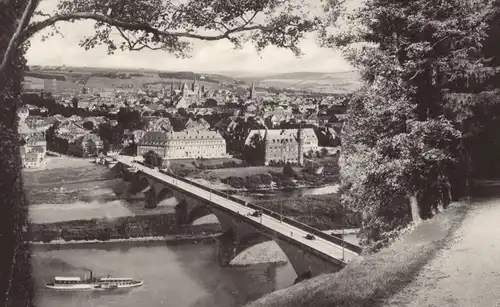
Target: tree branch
pixel 38 26
pixel 442 39
pixel 14 40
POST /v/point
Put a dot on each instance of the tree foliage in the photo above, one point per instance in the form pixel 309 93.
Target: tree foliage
pixel 16 284
pixel 289 171
pixel 153 159
pixel 112 136
pixel 128 119
pixel 424 70
pixel 91 148
pixel 254 152
pixel 171 25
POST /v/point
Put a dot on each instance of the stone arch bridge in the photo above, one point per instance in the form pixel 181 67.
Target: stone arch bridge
pixel 240 229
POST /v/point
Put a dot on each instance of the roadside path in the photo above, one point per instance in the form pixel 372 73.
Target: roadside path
pixel 466 273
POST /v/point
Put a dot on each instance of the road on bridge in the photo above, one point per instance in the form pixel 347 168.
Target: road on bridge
pixel 467 272
pixel 292 232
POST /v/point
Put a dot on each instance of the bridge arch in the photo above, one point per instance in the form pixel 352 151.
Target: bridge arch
pixel 164 194
pixel 139 184
pixel 248 241
pixel 198 212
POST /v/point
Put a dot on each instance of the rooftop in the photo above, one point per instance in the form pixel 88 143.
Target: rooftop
pixel 162 137
pixel 275 134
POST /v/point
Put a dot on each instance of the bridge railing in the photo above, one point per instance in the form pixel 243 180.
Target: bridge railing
pixel 276 215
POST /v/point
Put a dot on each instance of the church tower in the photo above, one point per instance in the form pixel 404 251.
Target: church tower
pixel 185 90
pixel 195 88
pixel 300 139
pixel 194 85
pixel 252 91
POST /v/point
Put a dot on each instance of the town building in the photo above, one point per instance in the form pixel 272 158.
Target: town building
pixel 34 147
pixel 88 145
pixel 183 144
pixel 282 145
pixel 31 159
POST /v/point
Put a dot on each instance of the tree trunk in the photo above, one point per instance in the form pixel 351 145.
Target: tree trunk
pixel 448 198
pixel 16 288
pixel 415 211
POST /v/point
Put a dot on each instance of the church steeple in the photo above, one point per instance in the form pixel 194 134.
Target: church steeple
pixel 252 90
pixel 185 89
pixel 193 86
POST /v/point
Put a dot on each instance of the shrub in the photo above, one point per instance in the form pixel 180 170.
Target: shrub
pixel 122 229
pixel 104 235
pixel 278 177
pixel 266 179
pixel 235 182
pixel 250 185
pixel 47 236
pixel 253 182
pixel 288 170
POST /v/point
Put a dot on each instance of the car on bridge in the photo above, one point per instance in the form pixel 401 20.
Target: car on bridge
pixel 310 237
pixel 256 213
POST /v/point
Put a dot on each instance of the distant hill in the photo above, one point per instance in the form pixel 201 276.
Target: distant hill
pixel 335 82
pixel 326 82
pixel 347 75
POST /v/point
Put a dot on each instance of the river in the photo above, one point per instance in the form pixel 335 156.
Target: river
pixel 179 276
pixel 182 275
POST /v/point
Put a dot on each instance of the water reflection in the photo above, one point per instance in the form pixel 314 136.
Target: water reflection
pixel 186 275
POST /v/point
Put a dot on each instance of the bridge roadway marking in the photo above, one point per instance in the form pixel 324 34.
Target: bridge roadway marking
pixel 319 244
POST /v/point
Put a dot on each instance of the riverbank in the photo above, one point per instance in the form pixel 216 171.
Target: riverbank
pixel 139 241
pixel 367 282
pixel 323 212
pixel 272 177
pixel 51 163
pixel 118 228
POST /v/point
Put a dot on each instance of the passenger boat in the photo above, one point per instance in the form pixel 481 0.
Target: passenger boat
pixel 92 283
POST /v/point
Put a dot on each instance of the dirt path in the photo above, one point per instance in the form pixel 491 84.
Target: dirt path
pixel 466 272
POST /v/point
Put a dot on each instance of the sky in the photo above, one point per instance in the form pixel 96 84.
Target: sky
pixel 206 57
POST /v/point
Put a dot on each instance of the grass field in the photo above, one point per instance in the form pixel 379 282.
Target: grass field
pixel 73 170
pixel 241 171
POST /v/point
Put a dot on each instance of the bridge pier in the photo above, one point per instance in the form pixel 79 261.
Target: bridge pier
pixel 182 213
pixel 151 199
pixel 226 247
pixel 305 263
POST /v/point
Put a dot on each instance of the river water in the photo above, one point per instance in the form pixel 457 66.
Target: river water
pixel 178 276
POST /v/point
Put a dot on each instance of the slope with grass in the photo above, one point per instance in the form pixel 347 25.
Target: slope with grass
pixel 367 282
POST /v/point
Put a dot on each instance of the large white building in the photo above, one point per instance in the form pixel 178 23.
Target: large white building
pixel 282 145
pixel 183 144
